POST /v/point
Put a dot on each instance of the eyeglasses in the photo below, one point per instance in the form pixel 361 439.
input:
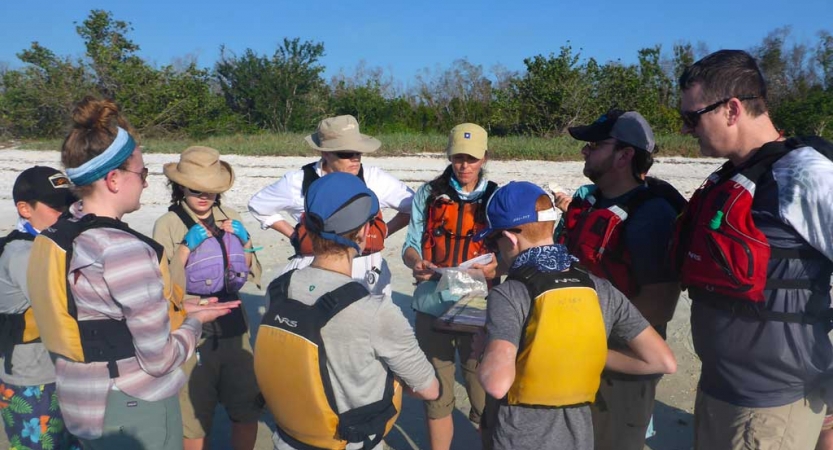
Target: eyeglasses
pixel 692 118
pixel 143 174
pixel 348 155
pixel 195 193
pixel 493 239
pixel 592 146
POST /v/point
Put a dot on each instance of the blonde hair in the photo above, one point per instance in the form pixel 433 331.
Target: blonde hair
pixel 538 231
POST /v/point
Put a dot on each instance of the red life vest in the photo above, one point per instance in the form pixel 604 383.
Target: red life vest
pixel 374 242
pixel 596 235
pixel 723 258
pixel 450 226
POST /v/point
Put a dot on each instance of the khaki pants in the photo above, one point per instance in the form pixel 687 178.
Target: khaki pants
pixel 440 349
pixel 622 412
pixel 721 425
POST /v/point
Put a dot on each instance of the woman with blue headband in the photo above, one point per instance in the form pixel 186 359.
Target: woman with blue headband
pixel 104 301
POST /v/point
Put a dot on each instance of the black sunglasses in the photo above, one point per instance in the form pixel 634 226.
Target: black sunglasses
pixel 194 192
pixel 348 155
pixel 692 118
pixel 491 240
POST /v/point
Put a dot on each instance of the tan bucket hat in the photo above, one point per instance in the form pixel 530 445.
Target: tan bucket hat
pixel 200 169
pixel 341 133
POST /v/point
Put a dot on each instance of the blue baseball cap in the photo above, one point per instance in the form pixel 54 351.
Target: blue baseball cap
pixel 339 203
pixel 513 205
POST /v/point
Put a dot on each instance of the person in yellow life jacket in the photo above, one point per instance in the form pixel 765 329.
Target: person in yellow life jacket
pixel 620 231
pixel 102 297
pixel 27 374
pixel 547 330
pixel 447 213
pixel 330 357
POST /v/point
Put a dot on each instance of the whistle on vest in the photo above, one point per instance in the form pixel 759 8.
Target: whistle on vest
pixel 716 220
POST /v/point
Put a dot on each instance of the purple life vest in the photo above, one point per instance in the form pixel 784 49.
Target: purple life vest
pixel 217 266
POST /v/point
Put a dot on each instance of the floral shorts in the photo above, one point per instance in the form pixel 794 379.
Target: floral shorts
pixel 32 418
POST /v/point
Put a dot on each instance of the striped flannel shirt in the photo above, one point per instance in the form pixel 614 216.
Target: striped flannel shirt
pixel 119 278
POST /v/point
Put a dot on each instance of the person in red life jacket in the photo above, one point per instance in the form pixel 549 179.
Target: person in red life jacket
pixel 619 231
pixel 212 255
pixel 754 250
pixel 447 213
pixel 342 147
pixel 547 331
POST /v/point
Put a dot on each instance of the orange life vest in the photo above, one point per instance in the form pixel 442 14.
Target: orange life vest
pixel 300 240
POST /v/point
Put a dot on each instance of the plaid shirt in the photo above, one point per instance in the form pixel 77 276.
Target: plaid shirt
pixel 119 278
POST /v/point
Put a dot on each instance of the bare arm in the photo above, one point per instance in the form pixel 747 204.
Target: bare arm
pixel 648 354
pixel 657 302
pixel 430 393
pixel 497 370
pixel 398 222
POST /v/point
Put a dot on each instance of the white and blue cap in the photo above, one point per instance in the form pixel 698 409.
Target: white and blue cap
pixel 513 205
pixel 339 203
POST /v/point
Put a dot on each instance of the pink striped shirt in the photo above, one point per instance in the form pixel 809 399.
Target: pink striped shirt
pixel 120 279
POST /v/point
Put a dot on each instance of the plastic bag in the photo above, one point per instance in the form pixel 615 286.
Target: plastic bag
pixel 462 282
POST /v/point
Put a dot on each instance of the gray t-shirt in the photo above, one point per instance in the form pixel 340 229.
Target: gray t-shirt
pixel 362 342
pixel 540 428
pixel 31 363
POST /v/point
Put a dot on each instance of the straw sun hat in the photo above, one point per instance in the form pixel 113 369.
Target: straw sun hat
pixel 200 169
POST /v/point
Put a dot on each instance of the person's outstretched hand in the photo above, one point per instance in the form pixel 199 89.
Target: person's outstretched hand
pixel 208 309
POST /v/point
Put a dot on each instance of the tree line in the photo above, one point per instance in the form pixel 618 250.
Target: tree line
pixel 286 91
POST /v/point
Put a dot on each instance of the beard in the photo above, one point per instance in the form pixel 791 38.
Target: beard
pixel 596 171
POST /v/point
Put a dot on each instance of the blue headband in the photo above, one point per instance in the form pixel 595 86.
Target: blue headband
pixel 113 157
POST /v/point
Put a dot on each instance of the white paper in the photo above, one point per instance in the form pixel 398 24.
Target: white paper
pixel 482 259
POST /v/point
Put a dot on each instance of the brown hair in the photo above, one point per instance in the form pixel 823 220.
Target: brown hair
pixel 538 231
pixel 94 128
pixel 726 74
pixel 321 246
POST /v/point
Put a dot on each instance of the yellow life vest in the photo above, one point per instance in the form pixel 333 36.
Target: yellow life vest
pixel 54 307
pixel 564 343
pixel 291 370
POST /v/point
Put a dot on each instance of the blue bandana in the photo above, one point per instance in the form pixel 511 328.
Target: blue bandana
pixel 547 258
pixel 110 159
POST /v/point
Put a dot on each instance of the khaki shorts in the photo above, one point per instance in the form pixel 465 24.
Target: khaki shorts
pixel 721 425
pixel 224 375
pixel 622 412
pixel 440 349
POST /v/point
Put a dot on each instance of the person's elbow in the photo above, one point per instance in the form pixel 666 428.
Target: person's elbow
pixel 432 392
pixel 668 363
pixel 495 386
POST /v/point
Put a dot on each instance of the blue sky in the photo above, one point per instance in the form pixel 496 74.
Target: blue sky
pixel 404 37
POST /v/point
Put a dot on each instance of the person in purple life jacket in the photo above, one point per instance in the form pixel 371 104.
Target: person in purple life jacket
pixel 211 255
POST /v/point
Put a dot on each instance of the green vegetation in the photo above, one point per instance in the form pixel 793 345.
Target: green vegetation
pixel 262 104
pixel 562 148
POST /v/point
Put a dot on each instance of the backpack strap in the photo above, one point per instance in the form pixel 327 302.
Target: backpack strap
pixel 186 219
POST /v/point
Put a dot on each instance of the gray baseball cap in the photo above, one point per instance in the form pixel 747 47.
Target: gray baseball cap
pixel 625 126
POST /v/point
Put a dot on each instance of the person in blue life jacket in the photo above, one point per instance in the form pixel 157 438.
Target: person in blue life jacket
pixel 212 255
pixel 619 230
pixel 759 318
pixel 331 357
pixel 41 194
pixel 547 330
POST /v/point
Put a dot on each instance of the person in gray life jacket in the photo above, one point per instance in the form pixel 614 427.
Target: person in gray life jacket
pixel 755 252
pixel 41 194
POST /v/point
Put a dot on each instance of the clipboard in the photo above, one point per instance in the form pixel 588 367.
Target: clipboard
pixel 467 315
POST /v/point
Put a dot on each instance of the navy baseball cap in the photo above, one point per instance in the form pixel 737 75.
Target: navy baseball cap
pixel 513 205
pixel 624 126
pixel 338 203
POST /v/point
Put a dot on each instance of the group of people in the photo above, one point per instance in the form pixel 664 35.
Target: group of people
pixel 98 319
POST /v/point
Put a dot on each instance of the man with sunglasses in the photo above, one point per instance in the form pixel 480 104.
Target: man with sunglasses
pixel 341 146
pixel 754 250
pixel 619 231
